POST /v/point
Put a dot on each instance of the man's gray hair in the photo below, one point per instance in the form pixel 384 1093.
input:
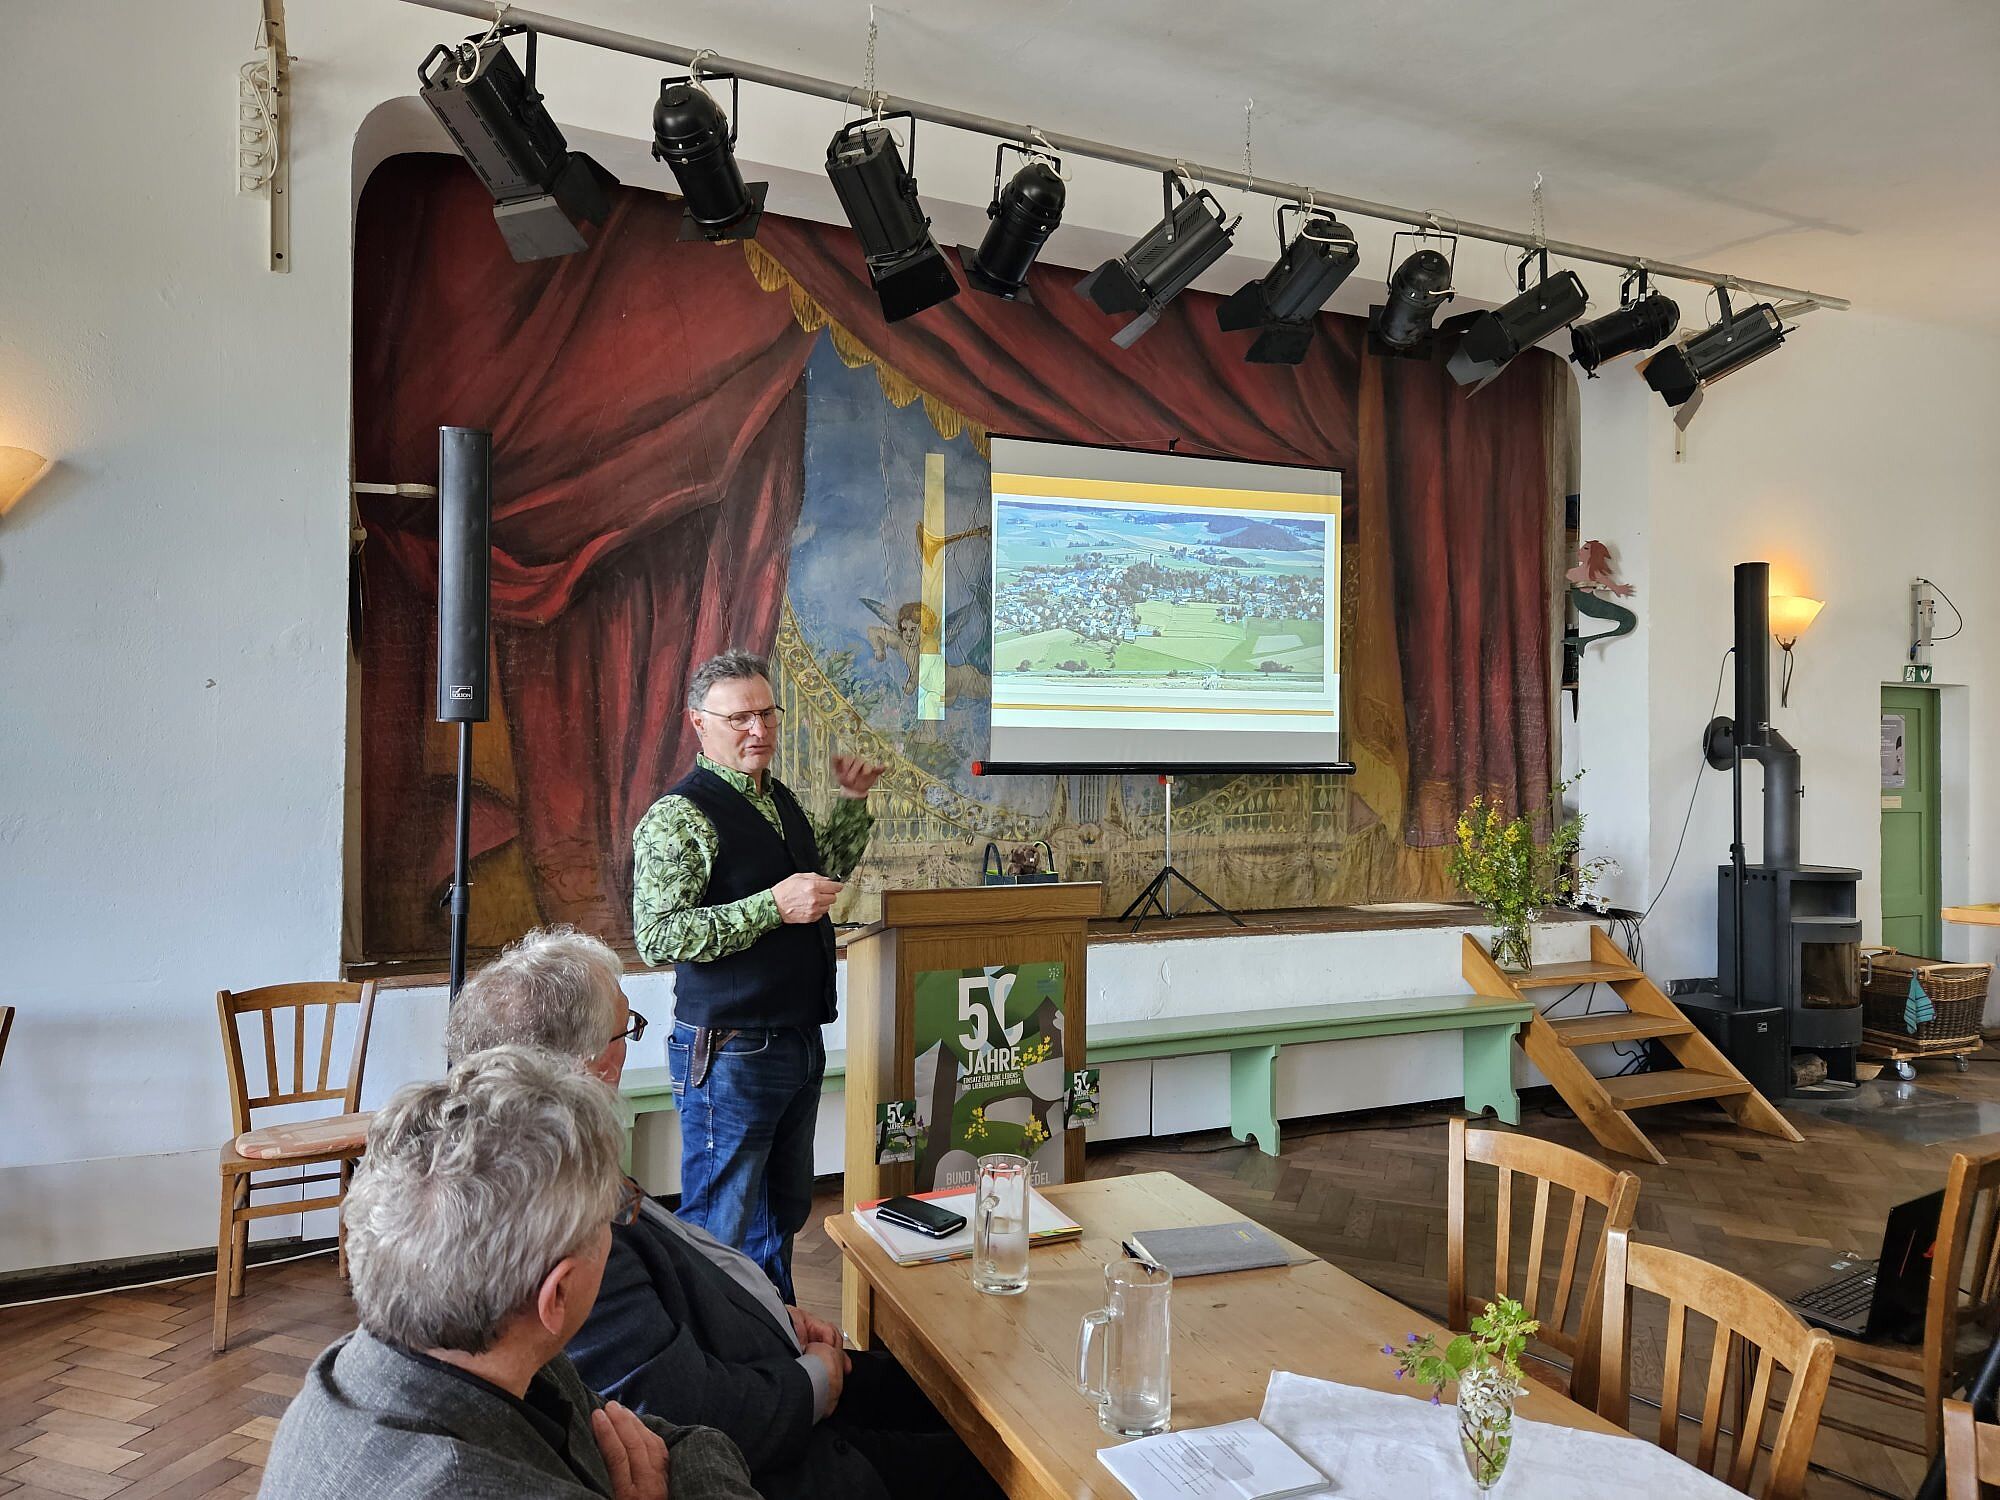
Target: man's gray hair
pixel 731 666
pixel 556 988
pixel 472 1189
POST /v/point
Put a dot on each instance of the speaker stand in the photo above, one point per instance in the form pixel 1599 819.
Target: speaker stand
pixel 459 896
pixel 1157 899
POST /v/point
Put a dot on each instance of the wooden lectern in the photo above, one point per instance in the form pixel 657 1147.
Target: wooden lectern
pixel 924 934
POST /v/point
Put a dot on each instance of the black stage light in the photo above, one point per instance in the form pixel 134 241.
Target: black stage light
pixel 879 197
pixel 697 140
pixel 1193 234
pixel 1678 371
pixel 1283 303
pixel 1644 318
pixel 1494 338
pixel 541 189
pixel 1024 213
pixel 1400 325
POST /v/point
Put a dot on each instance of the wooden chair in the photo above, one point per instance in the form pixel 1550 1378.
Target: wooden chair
pixel 1748 1320
pixel 1587 1182
pixel 327 1141
pixel 6 1025
pixel 1971 1453
pixel 1960 1313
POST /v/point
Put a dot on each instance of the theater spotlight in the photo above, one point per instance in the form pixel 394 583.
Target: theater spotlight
pixel 1400 325
pixel 1644 318
pixel 1282 304
pixel 1493 338
pixel 879 196
pixel 1024 213
pixel 697 140
pixel 1193 234
pixel 541 189
pixel 1679 371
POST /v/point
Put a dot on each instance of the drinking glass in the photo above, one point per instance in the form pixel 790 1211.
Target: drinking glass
pixel 1000 1225
pixel 1131 1378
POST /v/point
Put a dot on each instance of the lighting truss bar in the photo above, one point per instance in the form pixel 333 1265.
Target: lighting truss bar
pixel 1210 176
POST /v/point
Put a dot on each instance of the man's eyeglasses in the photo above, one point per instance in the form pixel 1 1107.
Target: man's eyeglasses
pixel 742 722
pixel 635 1027
pixel 631 1198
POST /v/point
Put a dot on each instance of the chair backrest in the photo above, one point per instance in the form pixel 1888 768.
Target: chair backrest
pixel 1586 1182
pixel 296 1062
pixel 1971 1453
pixel 1748 1322
pixel 6 1025
pixel 1965 1274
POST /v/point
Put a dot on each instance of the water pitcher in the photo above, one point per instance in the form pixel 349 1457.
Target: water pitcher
pixel 1123 1359
pixel 1000 1225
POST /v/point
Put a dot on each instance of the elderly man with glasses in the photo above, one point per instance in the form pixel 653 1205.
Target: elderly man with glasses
pixel 688 1329
pixel 477 1230
pixel 731 883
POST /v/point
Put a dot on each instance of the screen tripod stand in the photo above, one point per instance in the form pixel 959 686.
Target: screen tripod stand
pixel 1157 899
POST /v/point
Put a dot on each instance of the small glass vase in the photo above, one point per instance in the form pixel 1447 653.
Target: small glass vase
pixel 1513 945
pixel 1485 1426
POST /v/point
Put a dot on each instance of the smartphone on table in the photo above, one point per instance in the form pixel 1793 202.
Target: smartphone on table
pixel 924 1217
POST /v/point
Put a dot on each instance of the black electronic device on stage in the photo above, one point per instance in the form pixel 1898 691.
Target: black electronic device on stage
pixel 465 510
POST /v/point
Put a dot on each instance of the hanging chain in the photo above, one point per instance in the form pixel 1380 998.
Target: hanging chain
pixel 1249 170
pixel 875 99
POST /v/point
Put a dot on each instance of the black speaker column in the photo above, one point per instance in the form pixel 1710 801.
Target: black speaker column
pixel 465 509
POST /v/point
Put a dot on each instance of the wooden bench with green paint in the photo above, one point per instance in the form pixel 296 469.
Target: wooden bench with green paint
pixel 1252 1039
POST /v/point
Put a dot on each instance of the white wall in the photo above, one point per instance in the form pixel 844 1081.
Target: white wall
pixel 1860 455
pixel 173 668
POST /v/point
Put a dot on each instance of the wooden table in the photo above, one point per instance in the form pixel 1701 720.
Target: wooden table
pixel 1003 1369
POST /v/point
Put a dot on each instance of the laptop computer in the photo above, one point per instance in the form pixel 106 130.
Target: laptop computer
pixel 1882 1301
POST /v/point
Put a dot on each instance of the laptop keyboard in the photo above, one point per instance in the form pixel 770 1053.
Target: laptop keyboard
pixel 1846 1299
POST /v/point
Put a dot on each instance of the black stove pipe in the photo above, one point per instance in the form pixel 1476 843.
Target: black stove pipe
pixel 1753 655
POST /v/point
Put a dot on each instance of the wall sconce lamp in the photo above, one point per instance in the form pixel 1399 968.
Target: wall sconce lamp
pixel 1791 614
pixel 19 469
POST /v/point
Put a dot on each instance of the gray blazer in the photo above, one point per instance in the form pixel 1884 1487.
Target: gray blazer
pixel 372 1423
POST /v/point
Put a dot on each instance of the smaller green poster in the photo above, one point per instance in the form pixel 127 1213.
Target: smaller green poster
pixel 896 1132
pixel 989 1073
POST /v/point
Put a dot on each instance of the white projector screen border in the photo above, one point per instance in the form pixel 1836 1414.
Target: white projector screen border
pixel 1044 723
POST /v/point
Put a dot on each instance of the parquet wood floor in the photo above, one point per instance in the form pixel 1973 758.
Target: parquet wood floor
pixel 119 1394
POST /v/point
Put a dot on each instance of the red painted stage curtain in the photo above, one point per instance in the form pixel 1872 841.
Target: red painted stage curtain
pixel 648 411
pixel 648 405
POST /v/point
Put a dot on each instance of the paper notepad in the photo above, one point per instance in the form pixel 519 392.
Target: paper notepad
pixel 1238 1461
pixel 907 1247
pixel 1205 1249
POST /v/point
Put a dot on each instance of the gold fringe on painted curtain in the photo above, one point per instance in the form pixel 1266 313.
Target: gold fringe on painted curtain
pixel 949 421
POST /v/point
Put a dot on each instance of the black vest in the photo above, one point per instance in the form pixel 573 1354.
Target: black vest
pixel 785 978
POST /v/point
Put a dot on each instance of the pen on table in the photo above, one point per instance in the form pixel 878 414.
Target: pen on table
pixel 1139 1255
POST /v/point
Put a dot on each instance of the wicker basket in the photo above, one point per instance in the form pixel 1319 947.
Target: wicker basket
pixel 1957 993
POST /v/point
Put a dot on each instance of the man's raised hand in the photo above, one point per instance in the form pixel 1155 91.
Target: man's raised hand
pixel 805 898
pixel 855 775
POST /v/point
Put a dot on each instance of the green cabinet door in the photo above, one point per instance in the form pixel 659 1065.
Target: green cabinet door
pixel 1910 820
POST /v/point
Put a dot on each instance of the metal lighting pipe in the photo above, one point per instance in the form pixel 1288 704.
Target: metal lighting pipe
pixel 958 119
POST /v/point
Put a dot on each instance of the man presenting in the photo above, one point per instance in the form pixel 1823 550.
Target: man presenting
pixel 731 883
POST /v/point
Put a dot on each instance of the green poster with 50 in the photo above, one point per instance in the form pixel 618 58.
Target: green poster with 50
pixel 989 1073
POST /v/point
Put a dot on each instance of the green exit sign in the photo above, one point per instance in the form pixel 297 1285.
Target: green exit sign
pixel 1917 672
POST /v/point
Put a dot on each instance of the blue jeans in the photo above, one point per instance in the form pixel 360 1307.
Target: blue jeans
pixel 747 1139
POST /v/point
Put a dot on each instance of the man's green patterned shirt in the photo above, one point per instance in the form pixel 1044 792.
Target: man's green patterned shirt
pixel 673 850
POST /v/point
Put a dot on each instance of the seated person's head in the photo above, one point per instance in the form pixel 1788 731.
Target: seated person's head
pixel 481 1213
pixel 556 988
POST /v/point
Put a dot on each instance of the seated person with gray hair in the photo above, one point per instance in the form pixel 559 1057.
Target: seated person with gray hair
pixel 687 1329
pixel 477 1228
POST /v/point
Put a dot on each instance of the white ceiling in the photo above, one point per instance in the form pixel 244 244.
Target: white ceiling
pixel 1848 146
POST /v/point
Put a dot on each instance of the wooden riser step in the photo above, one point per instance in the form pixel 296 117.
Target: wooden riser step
pixel 1620 1026
pixel 1674 1086
pixel 1563 976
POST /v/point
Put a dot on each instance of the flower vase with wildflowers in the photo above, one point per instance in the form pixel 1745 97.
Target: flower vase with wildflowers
pixel 1486 1366
pixel 1497 863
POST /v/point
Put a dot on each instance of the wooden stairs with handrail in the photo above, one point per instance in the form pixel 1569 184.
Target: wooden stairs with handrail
pixel 1605 1105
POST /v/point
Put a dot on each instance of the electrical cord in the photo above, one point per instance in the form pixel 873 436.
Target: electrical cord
pixel 1693 793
